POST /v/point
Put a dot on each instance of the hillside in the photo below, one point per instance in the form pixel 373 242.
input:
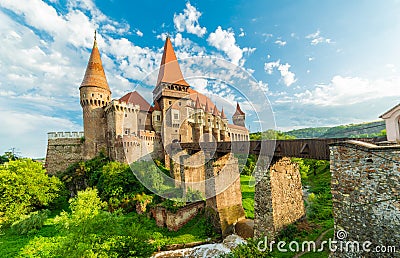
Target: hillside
pixel 368 129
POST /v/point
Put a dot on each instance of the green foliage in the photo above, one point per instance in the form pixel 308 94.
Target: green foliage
pixel 148 173
pixel 118 186
pixel 271 135
pixel 81 175
pixel 173 204
pixel 249 250
pixel 30 223
pixel 25 187
pixel 364 130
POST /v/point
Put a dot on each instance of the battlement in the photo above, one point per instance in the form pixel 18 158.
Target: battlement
pixel 117 105
pixel 69 135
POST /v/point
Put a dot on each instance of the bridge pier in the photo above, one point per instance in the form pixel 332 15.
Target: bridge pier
pixel 278 199
pixel 217 177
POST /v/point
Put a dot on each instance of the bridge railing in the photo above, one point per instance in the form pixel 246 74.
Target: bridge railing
pixel 300 148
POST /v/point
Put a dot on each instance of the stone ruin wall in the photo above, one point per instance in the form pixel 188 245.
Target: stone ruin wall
pixel 175 221
pixel 63 149
pixel 278 199
pixel 366 195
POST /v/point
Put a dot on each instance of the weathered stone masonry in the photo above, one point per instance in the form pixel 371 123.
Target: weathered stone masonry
pixel 278 199
pixel 366 195
pixel 63 149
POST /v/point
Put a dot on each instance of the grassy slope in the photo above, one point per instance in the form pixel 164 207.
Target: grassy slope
pixel 247 196
pixel 13 245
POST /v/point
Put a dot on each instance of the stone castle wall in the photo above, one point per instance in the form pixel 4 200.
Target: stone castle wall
pixel 366 195
pixel 278 199
pixel 63 149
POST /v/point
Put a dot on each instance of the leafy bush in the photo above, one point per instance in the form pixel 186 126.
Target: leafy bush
pixel 25 187
pixel 29 224
pixel 248 250
pixel 91 232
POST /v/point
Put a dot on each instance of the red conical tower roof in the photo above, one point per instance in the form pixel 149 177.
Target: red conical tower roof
pixel 207 109
pixel 94 75
pixel 197 105
pixel 215 111
pixel 239 111
pixel 223 116
pixel 170 71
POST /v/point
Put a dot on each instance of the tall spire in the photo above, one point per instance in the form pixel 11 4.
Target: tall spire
pixel 94 75
pixel 207 109
pixel 170 71
pixel 215 111
pixel 238 111
pixel 223 116
pixel 197 105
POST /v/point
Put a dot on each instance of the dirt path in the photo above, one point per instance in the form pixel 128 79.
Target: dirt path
pixel 317 243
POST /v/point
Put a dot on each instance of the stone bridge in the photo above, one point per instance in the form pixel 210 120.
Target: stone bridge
pixel 365 184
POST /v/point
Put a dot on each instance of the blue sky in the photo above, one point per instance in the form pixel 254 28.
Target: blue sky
pixel 319 63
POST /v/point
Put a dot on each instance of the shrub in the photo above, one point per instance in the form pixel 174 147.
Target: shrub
pixel 28 224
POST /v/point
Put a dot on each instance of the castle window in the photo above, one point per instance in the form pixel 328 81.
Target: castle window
pixel 127 130
pixel 176 116
pixel 170 102
pixel 92 94
pixel 158 118
pixel 126 115
pixel 179 103
pixel 101 96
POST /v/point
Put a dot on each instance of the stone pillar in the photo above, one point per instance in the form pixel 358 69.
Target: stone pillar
pixel 366 197
pixel 224 197
pixel 278 199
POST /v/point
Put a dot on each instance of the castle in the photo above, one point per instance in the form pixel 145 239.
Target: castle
pixel 129 128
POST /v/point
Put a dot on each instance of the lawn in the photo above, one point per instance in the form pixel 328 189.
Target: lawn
pixel 247 196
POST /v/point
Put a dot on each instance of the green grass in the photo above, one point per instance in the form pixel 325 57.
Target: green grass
pixel 247 196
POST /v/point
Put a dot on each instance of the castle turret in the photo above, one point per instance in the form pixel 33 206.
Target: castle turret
pixel 94 96
pixel 239 117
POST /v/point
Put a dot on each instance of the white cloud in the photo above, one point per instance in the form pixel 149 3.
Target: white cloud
pixel 316 38
pixel 225 41
pixel 287 76
pixel 349 90
pixel 189 21
pixel 242 33
pixel 280 42
pixel 139 33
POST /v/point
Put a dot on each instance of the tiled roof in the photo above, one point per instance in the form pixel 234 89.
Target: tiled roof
pixel 170 71
pixel 94 75
pixel 135 98
pixel 238 110
pixel 238 127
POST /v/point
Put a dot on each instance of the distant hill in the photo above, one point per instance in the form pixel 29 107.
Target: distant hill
pixel 369 129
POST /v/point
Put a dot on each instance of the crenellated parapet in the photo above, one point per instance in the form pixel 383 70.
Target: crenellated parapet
pixel 121 106
pixel 60 135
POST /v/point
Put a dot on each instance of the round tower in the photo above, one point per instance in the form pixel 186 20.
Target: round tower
pixel 94 97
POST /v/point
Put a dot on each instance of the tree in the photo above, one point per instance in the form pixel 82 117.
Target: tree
pixel 25 187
